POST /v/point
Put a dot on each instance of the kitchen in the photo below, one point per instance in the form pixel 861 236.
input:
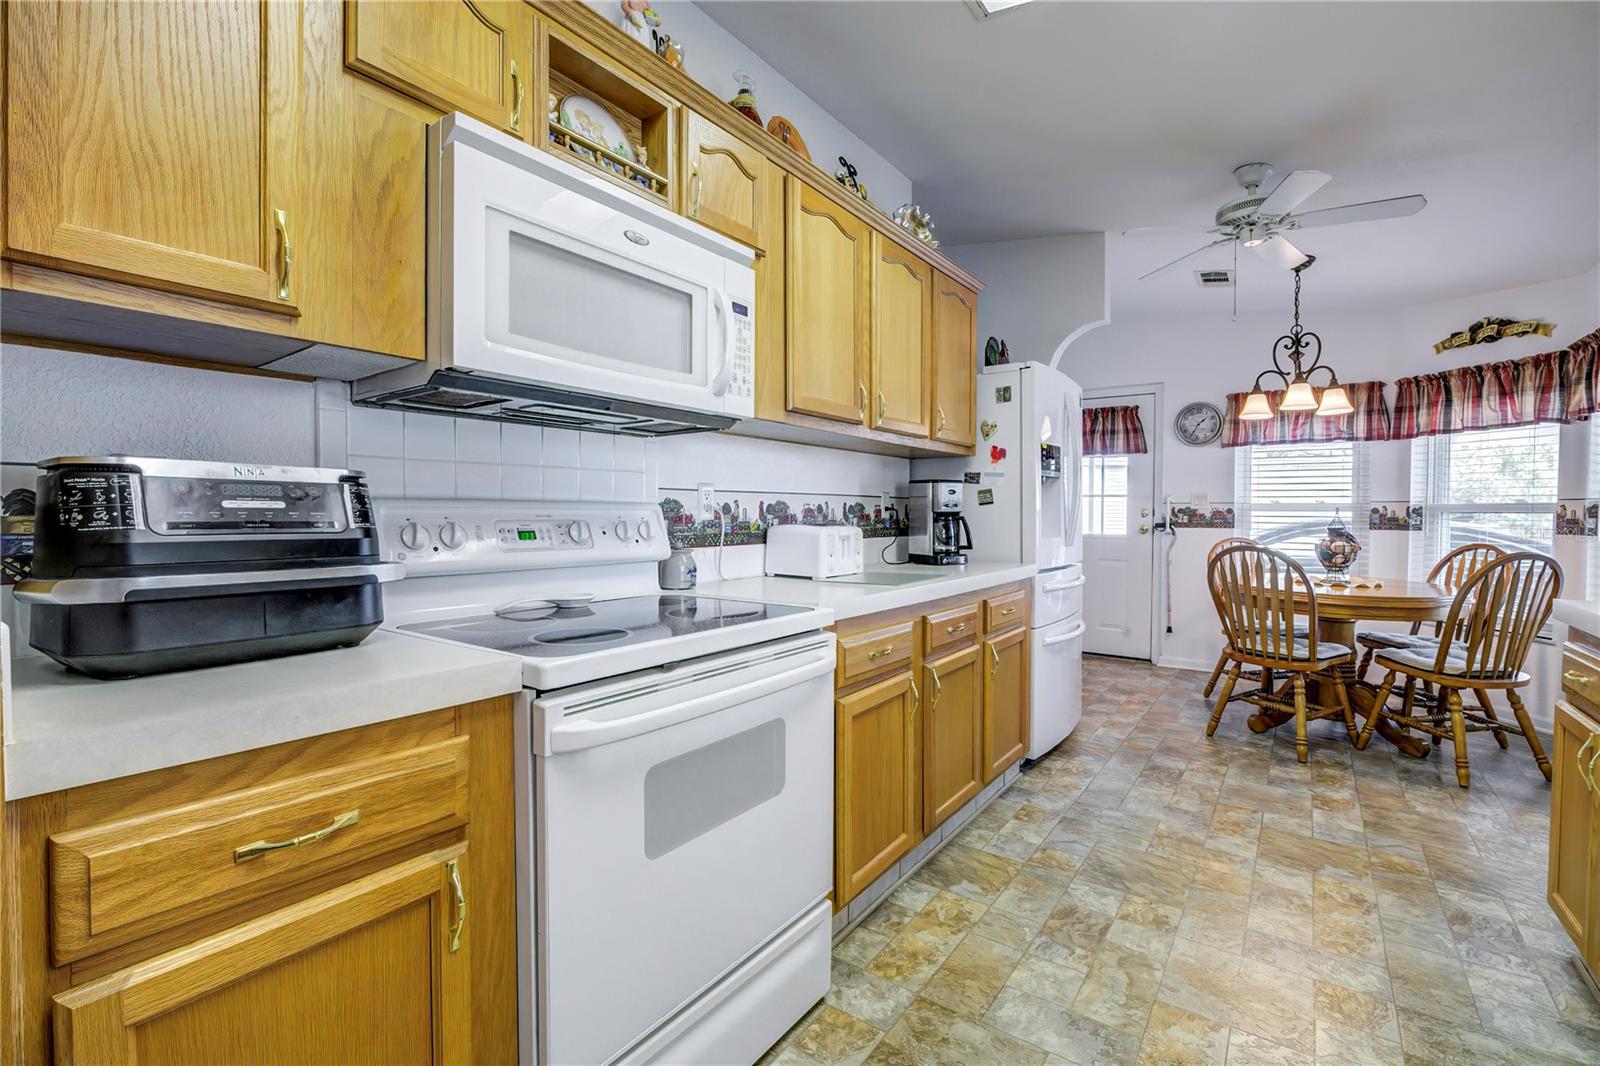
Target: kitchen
pixel 555 569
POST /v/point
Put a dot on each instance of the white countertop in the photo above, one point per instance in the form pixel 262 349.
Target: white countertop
pixel 853 600
pixel 1580 614
pixel 65 729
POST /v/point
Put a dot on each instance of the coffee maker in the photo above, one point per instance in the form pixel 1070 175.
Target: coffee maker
pixel 939 535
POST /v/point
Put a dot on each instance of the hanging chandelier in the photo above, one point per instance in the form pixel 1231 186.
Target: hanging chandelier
pixel 1303 349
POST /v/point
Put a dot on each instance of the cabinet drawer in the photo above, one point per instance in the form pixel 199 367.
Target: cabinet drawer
pixel 862 655
pixel 1005 610
pixel 948 628
pixel 116 881
pixel 1580 675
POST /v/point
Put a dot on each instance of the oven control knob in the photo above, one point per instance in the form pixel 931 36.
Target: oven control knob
pixel 453 535
pixel 646 531
pixel 621 529
pixel 413 536
pixel 575 531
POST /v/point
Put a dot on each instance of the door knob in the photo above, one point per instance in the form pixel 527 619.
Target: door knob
pixel 1144 512
pixel 1144 527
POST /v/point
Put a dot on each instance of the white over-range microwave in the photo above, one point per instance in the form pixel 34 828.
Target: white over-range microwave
pixel 558 299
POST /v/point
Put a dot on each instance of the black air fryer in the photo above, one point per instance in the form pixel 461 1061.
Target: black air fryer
pixel 147 565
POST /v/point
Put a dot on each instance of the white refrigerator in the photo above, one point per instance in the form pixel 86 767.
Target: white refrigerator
pixel 1022 503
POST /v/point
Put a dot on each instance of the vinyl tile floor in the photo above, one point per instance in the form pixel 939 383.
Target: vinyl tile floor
pixel 1146 895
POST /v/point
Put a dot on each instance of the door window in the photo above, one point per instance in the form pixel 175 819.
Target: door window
pixel 1105 495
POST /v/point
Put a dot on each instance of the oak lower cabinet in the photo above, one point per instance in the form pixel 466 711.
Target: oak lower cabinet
pixel 955 361
pixel 156 144
pixel 1574 875
pixel 827 306
pixel 1005 701
pixel 930 706
pixel 345 898
pixel 474 56
pixel 952 734
pixel 724 179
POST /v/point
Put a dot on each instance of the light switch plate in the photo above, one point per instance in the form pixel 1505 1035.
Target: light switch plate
pixel 1200 501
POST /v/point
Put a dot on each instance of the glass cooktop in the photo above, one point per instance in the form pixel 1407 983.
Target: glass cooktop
pixel 546 631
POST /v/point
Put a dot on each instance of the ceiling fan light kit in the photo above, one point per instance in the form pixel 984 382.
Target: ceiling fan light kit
pixel 1303 349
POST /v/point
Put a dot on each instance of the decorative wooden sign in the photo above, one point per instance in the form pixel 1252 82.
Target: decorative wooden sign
pixel 784 130
pixel 1489 330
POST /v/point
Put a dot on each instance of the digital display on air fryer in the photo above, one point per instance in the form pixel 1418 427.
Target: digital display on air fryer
pixel 250 488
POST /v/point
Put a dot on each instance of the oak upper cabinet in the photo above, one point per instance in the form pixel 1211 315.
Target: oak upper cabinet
pixel 952 734
pixel 374 971
pixel 457 55
pixel 155 144
pixel 876 777
pixel 723 177
pixel 902 342
pixel 1005 701
pixel 827 315
pixel 955 362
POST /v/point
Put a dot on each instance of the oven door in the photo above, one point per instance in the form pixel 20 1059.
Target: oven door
pixel 548 275
pixel 683 818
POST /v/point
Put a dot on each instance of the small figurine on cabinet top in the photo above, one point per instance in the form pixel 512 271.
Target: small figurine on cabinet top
pixel 668 49
pixel 744 101
pixel 846 176
pixel 915 221
pixel 638 20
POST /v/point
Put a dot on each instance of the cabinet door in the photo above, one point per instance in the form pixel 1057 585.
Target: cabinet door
pixel 952 735
pixel 902 340
pixel 878 817
pixel 457 55
pixel 1005 701
pixel 374 971
pixel 1574 884
pixel 155 143
pixel 724 180
pixel 955 360
pixel 828 319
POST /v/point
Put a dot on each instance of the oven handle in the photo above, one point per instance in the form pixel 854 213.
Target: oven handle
pixel 1073 583
pixel 580 734
pixel 1077 631
pixel 719 385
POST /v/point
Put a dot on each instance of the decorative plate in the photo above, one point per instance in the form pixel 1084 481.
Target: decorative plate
pixel 784 130
pixel 1198 424
pixel 589 118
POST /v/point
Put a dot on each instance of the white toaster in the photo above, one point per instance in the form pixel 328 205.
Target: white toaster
pixel 814 551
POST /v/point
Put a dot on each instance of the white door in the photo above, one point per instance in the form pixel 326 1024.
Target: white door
pixel 1117 514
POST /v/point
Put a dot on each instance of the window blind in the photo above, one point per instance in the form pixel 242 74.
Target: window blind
pixel 1287 494
pixel 1495 486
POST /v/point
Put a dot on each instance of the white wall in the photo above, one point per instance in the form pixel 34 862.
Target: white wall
pixel 1204 357
pixel 712 54
pixel 1039 295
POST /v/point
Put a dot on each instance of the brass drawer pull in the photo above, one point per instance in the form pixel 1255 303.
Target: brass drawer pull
pixel 280 221
pixel 460 923
pixel 1578 679
pixel 955 628
pixel 261 847
pixel 518 89
pixel 1008 612
pixel 880 653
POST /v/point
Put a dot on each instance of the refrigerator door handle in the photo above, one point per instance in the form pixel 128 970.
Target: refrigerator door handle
pixel 1074 430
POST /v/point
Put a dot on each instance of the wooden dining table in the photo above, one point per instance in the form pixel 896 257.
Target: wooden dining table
pixel 1339 608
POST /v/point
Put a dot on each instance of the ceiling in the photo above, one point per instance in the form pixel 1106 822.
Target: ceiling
pixel 1072 117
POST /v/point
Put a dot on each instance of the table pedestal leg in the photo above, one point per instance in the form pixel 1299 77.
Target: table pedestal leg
pixel 1331 631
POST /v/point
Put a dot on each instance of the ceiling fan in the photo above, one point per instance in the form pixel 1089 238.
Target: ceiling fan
pixel 1262 220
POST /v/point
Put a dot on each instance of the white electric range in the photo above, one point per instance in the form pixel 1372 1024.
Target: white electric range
pixel 678 809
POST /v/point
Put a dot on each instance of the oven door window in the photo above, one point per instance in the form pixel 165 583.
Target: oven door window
pixel 566 301
pixel 688 796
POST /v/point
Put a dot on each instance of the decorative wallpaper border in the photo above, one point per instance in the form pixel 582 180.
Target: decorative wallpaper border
pixel 1402 518
pixel 1186 517
pixel 1574 518
pixel 748 524
pixel 1578 518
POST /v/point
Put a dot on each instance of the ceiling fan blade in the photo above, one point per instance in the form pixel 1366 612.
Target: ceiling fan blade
pixel 1292 191
pixel 1171 229
pixel 1280 253
pixel 1188 255
pixel 1371 211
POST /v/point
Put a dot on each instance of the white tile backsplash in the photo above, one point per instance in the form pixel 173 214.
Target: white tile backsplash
pixel 596 485
pixel 561 483
pixel 628 453
pixel 385 476
pixel 595 451
pixel 477 441
pixel 430 436
pixel 430 477
pixel 333 436
pixel 522 482
pixel 478 481
pixel 521 445
pixel 375 432
pixel 561 447
pixel 630 485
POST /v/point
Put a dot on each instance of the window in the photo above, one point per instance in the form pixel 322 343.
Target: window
pixel 1286 494
pixel 1105 495
pixel 1491 485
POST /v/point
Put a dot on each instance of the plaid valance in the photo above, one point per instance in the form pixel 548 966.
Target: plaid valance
pixel 1113 431
pixel 1369 420
pixel 1560 386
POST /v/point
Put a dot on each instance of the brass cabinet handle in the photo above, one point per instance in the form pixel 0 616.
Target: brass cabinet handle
pixel 280 222
pixel 994 656
pixel 939 410
pixel 261 847
pixel 1008 612
pixel 938 690
pixel 880 653
pixel 881 405
pixel 517 89
pixel 861 389
pixel 460 923
pixel 916 698
pixel 1593 784
pixel 1577 759
pixel 694 186
pixel 955 627
pixel 1573 677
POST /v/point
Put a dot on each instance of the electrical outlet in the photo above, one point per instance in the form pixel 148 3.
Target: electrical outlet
pixel 708 502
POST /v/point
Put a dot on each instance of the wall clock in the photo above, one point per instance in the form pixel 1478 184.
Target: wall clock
pixel 1198 424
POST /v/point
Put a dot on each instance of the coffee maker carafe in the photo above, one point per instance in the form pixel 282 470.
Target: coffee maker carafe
pixel 939 535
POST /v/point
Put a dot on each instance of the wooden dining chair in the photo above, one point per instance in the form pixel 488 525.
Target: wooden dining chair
pixel 1483 645
pixel 1253 589
pixel 1222 659
pixel 1451 572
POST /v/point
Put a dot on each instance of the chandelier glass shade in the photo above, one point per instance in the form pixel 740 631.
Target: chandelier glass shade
pixel 1303 351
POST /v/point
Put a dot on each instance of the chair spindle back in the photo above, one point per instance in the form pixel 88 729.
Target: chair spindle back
pixel 1499 611
pixel 1253 590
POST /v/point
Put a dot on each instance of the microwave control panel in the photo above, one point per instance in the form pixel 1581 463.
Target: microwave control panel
pixel 742 382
